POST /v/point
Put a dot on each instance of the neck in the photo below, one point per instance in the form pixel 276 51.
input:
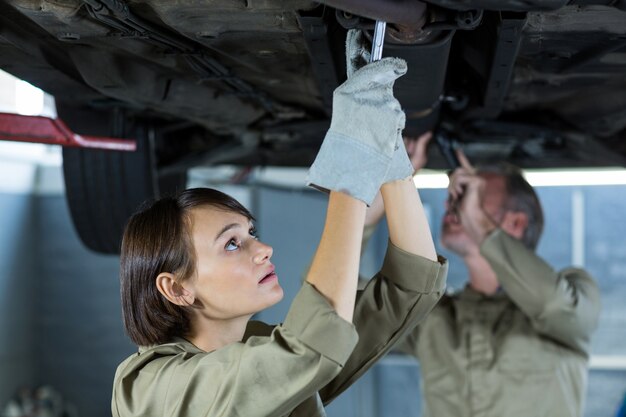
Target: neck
pixel 482 277
pixel 212 334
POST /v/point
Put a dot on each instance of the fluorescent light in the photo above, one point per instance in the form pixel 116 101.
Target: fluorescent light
pixel 431 180
pixel 596 362
pixel 28 99
pixel 608 362
pixel 610 176
pixel 541 178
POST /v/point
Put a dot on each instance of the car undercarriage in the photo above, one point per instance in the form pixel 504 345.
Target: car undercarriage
pixel 540 83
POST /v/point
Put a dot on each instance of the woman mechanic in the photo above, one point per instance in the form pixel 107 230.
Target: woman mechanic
pixel 193 273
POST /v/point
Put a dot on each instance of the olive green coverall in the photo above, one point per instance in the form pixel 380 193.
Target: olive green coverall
pixel 287 370
pixel 522 352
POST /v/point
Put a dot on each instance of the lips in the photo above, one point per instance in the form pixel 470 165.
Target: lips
pixel 450 218
pixel 271 274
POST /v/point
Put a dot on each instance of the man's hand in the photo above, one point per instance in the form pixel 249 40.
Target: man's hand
pixel 466 191
pixel 416 149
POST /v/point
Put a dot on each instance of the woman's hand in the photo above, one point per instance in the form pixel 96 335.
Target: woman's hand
pixel 366 124
pixel 416 149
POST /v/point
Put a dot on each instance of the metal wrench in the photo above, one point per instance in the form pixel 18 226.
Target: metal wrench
pixel 378 40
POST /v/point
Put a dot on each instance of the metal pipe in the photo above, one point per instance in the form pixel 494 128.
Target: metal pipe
pixel 404 12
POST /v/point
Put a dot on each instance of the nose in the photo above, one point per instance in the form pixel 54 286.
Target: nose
pixel 262 253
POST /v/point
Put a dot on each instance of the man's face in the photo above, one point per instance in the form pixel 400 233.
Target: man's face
pixel 453 236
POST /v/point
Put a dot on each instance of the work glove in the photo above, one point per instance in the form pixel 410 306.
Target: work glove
pixel 366 124
pixel 400 166
pixel 357 56
pixel 357 52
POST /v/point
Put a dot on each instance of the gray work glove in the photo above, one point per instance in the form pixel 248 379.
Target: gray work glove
pixel 357 52
pixel 366 123
pixel 358 55
pixel 400 166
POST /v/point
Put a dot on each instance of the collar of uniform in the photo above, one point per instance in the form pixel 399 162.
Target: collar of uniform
pixel 177 343
pixel 469 293
pixel 472 306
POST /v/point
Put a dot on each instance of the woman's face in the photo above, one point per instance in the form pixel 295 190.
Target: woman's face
pixel 234 275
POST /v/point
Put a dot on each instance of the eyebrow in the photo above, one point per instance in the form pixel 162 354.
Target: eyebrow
pixel 226 229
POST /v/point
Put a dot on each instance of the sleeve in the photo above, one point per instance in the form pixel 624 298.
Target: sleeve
pixel 265 376
pixel 408 344
pixel 562 305
pixel 403 292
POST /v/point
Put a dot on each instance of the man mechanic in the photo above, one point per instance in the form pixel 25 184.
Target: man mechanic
pixel 516 340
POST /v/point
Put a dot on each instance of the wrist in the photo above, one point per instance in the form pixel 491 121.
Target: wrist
pixel 345 164
pixel 486 227
pixel 396 184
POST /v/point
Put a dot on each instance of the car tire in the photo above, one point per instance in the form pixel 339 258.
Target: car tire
pixel 104 188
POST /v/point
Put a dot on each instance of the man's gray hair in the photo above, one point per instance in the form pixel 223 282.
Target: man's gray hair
pixel 520 197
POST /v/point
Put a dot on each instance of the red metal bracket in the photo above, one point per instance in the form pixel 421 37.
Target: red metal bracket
pixel 40 129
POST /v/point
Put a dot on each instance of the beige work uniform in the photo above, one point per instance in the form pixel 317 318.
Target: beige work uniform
pixel 291 369
pixel 522 352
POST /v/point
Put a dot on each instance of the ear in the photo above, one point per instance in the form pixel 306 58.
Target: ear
pixel 515 223
pixel 172 290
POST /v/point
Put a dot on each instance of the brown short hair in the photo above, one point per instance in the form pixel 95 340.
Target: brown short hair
pixel 520 197
pixel 158 239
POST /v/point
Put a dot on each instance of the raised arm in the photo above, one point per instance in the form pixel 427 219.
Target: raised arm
pixel 408 226
pixel 353 161
pixel 411 280
pixel 416 149
pixel 563 305
pixel 409 284
pixel 335 268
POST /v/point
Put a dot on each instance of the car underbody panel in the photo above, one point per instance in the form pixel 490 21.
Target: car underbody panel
pixel 540 83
